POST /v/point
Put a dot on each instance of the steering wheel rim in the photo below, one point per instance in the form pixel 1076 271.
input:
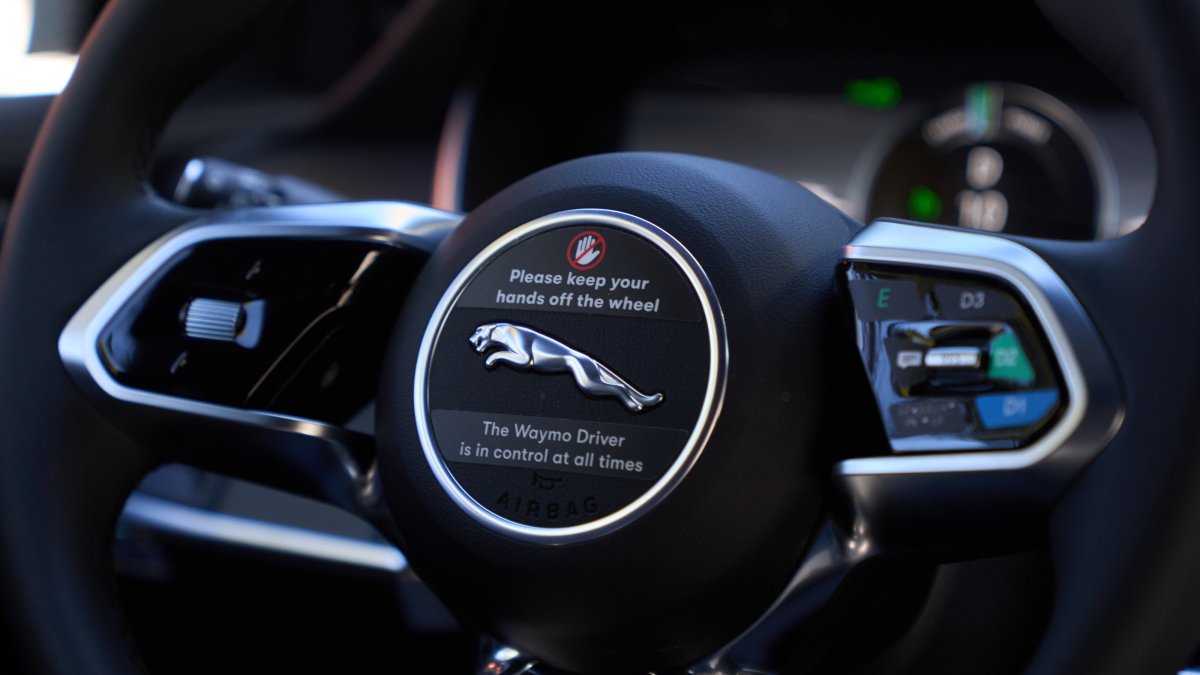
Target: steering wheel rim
pixel 1147 49
pixel 62 485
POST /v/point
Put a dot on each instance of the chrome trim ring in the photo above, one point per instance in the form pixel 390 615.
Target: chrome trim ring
pixel 709 412
pixel 1093 412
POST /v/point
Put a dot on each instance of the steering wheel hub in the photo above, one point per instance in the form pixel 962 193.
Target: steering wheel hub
pixel 593 428
pixel 570 375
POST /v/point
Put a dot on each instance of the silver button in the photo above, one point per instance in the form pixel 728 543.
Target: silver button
pixel 953 357
pixel 208 319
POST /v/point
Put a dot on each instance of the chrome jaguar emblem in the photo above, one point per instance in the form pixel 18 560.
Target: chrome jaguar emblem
pixel 524 348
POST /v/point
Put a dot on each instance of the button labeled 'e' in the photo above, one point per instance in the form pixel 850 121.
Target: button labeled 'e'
pixel 877 299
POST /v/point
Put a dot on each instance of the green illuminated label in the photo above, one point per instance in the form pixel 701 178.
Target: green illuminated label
pixel 924 204
pixel 1008 361
pixel 881 93
pixel 885 297
pixel 982 105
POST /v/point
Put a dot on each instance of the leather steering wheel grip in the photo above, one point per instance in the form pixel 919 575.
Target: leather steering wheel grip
pixel 82 210
pixel 1123 538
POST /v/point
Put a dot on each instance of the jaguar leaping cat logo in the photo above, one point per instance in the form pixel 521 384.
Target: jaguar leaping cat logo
pixel 524 348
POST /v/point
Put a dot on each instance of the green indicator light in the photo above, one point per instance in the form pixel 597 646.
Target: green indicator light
pixel 1007 361
pixel 881 93
pixel 924 204
pixel 981 104
pixel 885 297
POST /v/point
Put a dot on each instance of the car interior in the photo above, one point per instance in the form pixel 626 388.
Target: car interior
pixel 872 349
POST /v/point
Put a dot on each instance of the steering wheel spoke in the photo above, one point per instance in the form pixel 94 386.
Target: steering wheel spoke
pixel 832 555
pixel 248 342
pixel 995 392
pixel 994 388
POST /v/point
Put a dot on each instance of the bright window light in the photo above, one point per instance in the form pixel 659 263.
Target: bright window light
pixel 23 73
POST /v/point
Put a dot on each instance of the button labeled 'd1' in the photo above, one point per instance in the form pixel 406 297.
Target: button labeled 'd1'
pixel 1018 409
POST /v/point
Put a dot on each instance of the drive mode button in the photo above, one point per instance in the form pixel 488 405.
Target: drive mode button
pixel 877 300
pixel 1016 409
pixel 973 302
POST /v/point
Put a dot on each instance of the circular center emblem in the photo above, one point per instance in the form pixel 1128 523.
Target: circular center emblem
pixel 559 397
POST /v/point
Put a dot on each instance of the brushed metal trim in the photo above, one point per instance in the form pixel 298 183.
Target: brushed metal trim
pixel 222 528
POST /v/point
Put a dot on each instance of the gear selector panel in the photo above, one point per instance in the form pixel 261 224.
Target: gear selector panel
pixel 955 362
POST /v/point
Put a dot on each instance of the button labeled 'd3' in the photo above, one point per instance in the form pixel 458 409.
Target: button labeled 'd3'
pixel 875 300
pixel 972 302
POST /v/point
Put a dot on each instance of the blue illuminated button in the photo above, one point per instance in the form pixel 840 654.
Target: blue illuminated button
pixel 1014 409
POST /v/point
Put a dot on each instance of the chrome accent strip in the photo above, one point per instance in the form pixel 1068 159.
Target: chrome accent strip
pixel 1093 412
pixel 394 224
pixel 709 412
pixel 189 521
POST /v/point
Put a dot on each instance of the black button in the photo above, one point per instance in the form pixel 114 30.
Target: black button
pixel 930 416
pixel 876 300
pixel 907 360
pixel 973 302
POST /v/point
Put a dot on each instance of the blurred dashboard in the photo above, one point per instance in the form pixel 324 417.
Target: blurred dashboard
pixel 995 156
pixel 883 110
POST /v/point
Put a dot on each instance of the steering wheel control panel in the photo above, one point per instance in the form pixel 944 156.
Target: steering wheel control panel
pixel 955 362
pixel 294 326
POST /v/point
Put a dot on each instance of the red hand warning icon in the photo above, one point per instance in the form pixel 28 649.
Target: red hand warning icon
pixel 586 250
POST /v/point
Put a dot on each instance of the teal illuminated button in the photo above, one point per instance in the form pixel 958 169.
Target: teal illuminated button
pixel 878 299
pixel 1007 360
pixel 1015 409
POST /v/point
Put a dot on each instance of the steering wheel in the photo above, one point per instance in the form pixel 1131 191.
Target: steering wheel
pixel 609 408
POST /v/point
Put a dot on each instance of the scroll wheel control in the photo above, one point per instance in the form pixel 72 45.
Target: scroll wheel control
pixel 219 320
